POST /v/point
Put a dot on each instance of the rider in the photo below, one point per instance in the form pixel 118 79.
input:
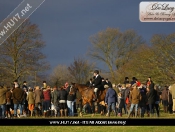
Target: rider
pixel 97 83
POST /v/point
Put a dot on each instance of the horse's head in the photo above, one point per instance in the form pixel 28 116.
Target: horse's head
pixel 73 86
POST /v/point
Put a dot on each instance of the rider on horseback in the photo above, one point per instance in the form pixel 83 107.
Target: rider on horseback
pixel 97 83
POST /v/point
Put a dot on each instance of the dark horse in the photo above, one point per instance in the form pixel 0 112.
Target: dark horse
pixel 88 95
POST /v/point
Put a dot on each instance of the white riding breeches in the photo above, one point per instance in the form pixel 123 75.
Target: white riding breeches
pixel 95 90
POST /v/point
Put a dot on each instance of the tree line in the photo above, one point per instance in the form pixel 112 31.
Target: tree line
pixel 124 53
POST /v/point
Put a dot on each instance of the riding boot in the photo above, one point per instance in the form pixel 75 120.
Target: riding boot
pixel 65 112
pixel 96 96
pixel 61 112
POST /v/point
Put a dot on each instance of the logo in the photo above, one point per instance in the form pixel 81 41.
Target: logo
pixel 157 11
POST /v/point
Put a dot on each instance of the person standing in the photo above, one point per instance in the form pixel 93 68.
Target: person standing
pixel 70 102
pixel 31 101
pixel 135 97
pixel 164 96
pixel 172 91
pixel 37 98
pixel 8 102
pixel 47 99
pixel 111 99
pixel 62 97
pixel 54 101
pixel 157 101
pixel 97 83
pixel 152 94
pixel 18 97
pixel 3 90
pixel 170 102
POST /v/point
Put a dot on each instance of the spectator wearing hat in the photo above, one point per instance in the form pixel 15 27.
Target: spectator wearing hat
pixel 3 91
pixel 103 82
pixel 111 99
pixel 89 83
pixel 97 83
pixel 44 84
pixel 24 85
pixel 126 81
pixel 135 97
pixel 108 83
pixel 133 80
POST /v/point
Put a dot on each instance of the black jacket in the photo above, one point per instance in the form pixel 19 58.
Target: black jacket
pixel 62 94
pixel 152 94
pixel 98 82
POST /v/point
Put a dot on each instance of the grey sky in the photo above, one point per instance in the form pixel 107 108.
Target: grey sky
pixel 66 25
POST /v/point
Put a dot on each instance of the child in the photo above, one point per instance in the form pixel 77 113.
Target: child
pixel 120 104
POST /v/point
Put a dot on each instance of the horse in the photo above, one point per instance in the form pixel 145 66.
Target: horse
pixel 88 95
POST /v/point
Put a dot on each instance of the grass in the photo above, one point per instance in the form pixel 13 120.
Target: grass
pixel 94 128
pixel 86 128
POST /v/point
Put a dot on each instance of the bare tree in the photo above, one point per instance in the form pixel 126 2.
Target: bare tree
pixel 80 70
pixel 114 48
pixel 21 55
pixel 60 75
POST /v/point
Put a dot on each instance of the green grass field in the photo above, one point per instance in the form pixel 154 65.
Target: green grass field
pixel 94 128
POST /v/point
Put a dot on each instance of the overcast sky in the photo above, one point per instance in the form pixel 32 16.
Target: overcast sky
pixel 66 25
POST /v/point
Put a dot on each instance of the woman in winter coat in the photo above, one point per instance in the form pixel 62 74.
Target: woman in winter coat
pixel 31 100
pixel 152 94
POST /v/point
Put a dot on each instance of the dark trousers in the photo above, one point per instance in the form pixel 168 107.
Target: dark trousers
pixel 170 108
pixel 142 111
pixel 157 109
pixel 151 107
pixel 46 105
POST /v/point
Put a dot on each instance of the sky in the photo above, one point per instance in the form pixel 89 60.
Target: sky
pixel 66 25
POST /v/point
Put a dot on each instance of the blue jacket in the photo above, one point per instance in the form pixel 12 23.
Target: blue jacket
pixel 111 96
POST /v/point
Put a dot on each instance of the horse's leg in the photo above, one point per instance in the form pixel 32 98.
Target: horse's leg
pixel 92 108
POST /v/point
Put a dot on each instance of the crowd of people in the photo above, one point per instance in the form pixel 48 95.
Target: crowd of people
pixel 138 99
pixel 134 97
